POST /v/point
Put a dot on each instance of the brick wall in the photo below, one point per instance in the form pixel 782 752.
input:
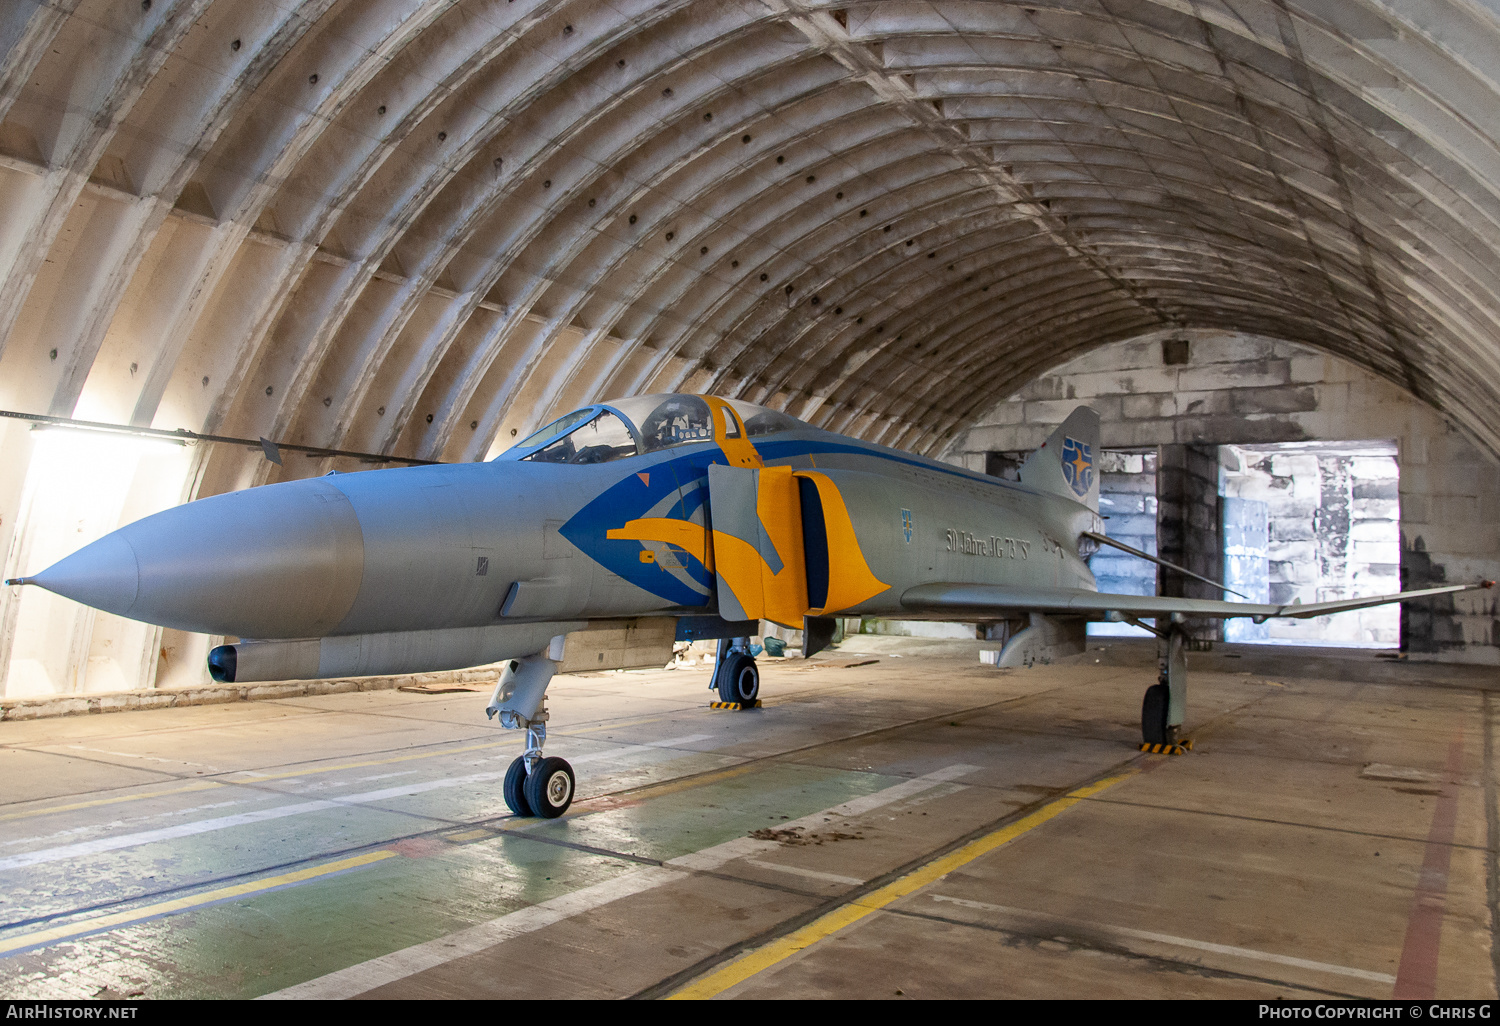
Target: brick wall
pixel 1239 389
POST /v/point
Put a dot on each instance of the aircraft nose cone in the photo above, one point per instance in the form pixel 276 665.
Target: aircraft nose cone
pixel 103 574
pixel 280 561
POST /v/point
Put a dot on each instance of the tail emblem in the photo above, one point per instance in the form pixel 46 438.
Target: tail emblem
pixel 1078 466
pixel 906 524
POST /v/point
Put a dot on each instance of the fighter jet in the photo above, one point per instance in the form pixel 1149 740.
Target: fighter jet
pixel 605 536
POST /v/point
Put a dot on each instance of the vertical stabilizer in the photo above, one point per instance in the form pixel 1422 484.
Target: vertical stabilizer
pixel 1067 462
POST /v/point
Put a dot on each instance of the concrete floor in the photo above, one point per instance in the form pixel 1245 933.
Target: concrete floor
pixel 902 827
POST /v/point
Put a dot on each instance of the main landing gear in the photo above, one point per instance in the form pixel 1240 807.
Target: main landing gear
pixel 535 785
pixel 735 675
pixel 1165 706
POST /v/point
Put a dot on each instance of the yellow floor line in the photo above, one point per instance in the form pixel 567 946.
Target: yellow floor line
pixel 761 959
pixel 57 933
pixel 202 785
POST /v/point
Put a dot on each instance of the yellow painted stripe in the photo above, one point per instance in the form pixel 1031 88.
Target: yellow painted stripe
pixel 761 959
pixel 136 915
pixel 202 785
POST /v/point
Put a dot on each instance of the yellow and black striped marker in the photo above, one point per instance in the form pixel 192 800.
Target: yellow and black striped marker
pixel 735 705
pixel 1180 748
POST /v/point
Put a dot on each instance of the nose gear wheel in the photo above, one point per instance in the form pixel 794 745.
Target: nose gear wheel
pixel 549 788
pixel 515 787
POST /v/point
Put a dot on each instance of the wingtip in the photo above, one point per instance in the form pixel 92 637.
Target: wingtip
pixel 18 580
pixel 1486 584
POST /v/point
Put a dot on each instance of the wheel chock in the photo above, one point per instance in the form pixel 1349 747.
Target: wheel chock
pixel 735 705
pixel 1180 748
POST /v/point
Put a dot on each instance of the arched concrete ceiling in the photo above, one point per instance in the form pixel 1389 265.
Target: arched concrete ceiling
pixel 418 226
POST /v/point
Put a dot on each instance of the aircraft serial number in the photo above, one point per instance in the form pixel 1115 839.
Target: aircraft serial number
pixel 999 548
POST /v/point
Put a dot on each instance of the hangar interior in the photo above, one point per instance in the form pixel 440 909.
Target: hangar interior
pixel 373 233
pixel 1279 422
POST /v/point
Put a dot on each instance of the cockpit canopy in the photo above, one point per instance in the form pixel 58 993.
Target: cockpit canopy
pixel 619 428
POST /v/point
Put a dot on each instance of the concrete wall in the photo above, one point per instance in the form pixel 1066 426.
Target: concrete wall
pixel 1243 389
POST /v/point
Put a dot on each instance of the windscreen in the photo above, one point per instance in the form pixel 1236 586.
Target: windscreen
pixel 557 427
pixel 601 440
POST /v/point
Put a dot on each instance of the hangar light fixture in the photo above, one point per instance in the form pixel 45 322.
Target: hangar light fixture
pixel 41 421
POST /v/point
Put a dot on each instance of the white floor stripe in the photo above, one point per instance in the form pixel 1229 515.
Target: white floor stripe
pixel 811 874
pixel 1168 939
pixel 204 826
pixel 398 965
pixel 377 972
pixel 709 859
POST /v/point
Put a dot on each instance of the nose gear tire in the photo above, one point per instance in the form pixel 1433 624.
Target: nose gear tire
pixel 515 788
pixel 549 789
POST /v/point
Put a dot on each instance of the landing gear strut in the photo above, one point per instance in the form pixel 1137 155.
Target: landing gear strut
pixel 735 674
pixel 535 785
pixel 1165 706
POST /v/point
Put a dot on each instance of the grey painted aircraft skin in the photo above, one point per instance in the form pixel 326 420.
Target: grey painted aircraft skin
pixel 441 547
pixel 714 511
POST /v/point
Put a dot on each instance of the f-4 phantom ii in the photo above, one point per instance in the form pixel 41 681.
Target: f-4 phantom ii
pixel 624 526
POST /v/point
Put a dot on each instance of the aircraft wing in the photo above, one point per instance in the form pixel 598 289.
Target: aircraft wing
pixel 980 600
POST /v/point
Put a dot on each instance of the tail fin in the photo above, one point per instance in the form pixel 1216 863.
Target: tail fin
pixel 1066 463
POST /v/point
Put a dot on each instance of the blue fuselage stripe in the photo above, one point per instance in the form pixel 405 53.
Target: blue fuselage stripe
pixel 684 469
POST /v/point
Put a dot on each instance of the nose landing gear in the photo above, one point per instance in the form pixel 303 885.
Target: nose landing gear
pixel 535 785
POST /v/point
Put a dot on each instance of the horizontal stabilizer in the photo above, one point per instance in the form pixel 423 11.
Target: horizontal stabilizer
pixel 978 600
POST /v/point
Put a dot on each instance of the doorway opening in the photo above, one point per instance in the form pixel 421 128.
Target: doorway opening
pixel 1298 522
pixel 1313 522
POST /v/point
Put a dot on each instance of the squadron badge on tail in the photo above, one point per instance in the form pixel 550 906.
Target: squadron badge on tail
pixel 1078 465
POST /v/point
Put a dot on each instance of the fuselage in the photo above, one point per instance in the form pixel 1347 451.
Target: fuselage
pixel 560 530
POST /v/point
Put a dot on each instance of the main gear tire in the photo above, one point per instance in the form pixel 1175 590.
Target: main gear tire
pixel 1154 715
pixel 739 680
pixel 549 789
pixel 515 788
